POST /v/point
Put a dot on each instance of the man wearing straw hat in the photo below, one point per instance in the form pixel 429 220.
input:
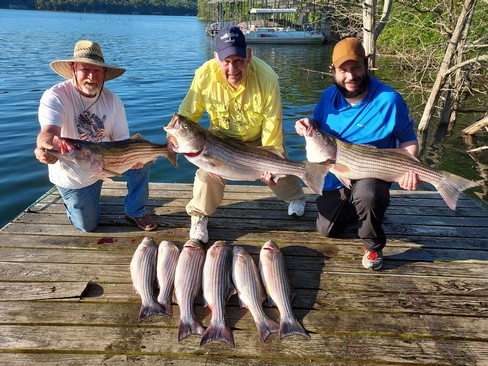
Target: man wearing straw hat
pixel 82 108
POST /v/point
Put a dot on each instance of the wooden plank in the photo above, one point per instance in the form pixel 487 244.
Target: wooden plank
pixel 161 341
pixel 324 321
pixel 14 291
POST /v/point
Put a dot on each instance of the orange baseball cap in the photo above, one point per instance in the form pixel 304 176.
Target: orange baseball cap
pixel 349 49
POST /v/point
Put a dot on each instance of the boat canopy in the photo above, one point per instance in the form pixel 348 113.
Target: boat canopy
pixel 272 11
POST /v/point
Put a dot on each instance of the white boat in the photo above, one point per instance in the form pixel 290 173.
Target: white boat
pixel 260 32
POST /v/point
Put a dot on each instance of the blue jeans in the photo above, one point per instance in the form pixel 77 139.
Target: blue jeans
pixel 83 204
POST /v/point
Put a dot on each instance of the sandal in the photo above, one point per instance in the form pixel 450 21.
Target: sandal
pixel 145 222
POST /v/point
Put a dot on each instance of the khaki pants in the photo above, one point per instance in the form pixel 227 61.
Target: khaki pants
pixel 208 192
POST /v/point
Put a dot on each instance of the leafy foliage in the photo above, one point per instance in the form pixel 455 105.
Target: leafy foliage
pixel 163 7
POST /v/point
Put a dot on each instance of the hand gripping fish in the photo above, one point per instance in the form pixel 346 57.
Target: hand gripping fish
pixel 110 158
pixel 233 160
pixel 357 161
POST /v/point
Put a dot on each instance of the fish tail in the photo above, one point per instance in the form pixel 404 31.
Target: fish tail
pixel 451 186
pixel 266 327
pixel 173 158
pixel 291 326
pixel 314 176
pixel 221 332
pixel 148 310
pixel 187 326
pixel 167 307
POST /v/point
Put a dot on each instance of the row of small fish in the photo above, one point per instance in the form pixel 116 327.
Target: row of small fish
pixel 220 273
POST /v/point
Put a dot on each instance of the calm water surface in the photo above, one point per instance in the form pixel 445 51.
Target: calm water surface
pixel 160 54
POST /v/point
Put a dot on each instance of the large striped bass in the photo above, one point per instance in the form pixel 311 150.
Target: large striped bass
pixel 356 161
pixel 188 282
pixel 245 276
pixel 143 274
pixel 233 160
pixel 168 254
pixel 217 289
pixel 274 275
pixel 107 159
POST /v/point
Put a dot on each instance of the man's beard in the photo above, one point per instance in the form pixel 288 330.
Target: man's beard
pixel 363 85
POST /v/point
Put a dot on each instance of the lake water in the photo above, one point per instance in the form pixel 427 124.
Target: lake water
pixel 160 54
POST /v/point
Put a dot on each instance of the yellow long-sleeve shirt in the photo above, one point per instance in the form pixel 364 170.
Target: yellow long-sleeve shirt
pixel 251 112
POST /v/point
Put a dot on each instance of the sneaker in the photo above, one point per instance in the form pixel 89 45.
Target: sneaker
pixel 198 229
pixel 373 260
pixel 296 208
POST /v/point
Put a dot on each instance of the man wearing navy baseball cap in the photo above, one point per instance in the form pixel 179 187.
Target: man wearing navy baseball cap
pixel 241 95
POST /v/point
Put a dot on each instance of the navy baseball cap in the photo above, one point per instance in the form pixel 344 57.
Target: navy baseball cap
pixel 230 41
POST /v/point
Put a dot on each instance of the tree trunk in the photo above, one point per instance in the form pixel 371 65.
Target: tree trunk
pixel 446 62
pixel 371 30
pixel 369 8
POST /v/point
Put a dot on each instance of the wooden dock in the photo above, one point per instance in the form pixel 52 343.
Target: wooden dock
pixel 66 297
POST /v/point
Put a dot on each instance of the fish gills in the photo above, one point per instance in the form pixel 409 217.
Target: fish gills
pixel 217 289
pixel 143 274
pixel 245 277
pixel 168 254
pixel 188 280
pixel 275 279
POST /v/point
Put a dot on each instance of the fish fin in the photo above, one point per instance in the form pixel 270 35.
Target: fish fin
pixel 218 178
pixel 153 309
pixel 451 186
pixel 167 307
pixel 231 290
pixel 137 136
pixel 189 325
pixel 338 170
pixel 108 173
pixel 291 326
pixel 314 176
pixel 221 332
pixel 173 158
pixel 266 327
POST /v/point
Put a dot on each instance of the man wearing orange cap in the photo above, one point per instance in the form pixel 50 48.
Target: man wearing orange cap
pixel 359 109
pixel 82 108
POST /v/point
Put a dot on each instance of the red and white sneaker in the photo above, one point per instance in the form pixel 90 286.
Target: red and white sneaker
pixel 373 260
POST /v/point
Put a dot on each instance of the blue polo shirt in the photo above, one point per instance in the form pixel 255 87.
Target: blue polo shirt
pixel 381 119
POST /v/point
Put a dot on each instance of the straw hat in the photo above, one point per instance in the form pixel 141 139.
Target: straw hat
pixel 90 53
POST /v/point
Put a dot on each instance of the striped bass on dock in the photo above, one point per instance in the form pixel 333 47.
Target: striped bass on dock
pixel 217 289
pixel 143 274
pixel 245 276
pixel 188 283
pixel 168 254
pixel 274 275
